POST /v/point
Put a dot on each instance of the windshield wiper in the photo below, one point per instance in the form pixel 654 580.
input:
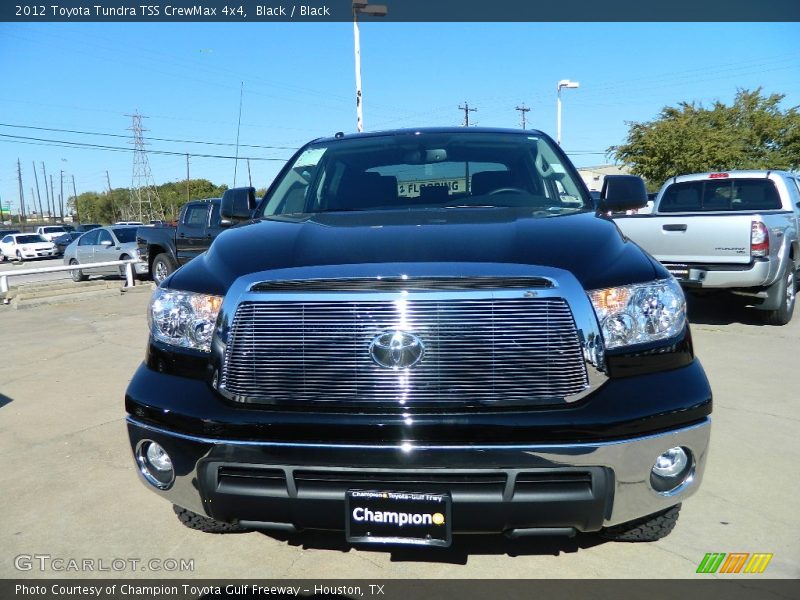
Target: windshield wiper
pixel 476 206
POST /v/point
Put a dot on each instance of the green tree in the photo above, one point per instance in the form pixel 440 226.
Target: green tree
pixel 752 133
pixel 94 207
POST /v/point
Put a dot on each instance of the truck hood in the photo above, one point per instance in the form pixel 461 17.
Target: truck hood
pixel 591 248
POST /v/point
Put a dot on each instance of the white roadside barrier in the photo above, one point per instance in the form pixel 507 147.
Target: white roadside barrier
pixel 130 279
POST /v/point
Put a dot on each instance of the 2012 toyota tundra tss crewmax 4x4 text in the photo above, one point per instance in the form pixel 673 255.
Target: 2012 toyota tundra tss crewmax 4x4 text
pixel 417 334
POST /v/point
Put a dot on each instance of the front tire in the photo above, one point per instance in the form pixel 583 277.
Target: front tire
pixel 163 266
pixel 206 524
pixel 784 289
pixel 19 257
pixel 76 274
pixel 647 529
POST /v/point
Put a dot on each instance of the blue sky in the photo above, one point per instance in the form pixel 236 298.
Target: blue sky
pixel 299 84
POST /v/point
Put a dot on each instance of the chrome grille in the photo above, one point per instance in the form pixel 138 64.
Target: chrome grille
pixel 477 351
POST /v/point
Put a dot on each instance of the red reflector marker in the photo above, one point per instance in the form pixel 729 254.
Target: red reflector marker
pixel 718 176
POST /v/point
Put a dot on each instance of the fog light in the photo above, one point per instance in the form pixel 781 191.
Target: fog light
pixel 672 471
pixel 671 463
pixel 155 464
pixel 158 457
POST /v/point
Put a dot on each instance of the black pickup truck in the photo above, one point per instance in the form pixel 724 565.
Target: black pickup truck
pixel 167 248
pixel 422 333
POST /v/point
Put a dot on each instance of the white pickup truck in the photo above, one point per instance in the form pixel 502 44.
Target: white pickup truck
pixel 51 232
pixel 736 230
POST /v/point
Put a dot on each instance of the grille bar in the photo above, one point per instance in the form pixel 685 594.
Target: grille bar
pixel 396 284
pixel 477 351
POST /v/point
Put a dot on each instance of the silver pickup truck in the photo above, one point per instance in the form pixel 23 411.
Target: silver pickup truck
pixel 736 230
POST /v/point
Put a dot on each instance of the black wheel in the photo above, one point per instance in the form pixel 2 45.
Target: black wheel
pixel 163 266
pixel 784 290
pixel 200 523
pixel 647 529
pixel 19 256
pixel 77 274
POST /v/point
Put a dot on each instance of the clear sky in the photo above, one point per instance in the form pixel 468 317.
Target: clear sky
pixel 298 84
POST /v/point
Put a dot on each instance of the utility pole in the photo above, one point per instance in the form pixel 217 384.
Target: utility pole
pixel 44 172
pixel 188 197
pixel 38 193
pixel 249 178
pixel 53 196
pixel 61 197
pixel 522 109
pixel 21 194
pixel 110 197
pixel 466 110
pixel 238 128
pixel 75 195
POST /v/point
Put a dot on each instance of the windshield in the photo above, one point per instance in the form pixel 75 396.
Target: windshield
pixel 30 239
pixel 54 230
pixel 125 234
pixel 429 170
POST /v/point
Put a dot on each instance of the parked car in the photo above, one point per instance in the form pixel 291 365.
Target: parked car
pixel 735 231
pixel 83 228
pixel 49 232
pixel 418 334
pixel 23 246
pixel 5 232
pixel 104 244
pixel 166 248
pixel 65 240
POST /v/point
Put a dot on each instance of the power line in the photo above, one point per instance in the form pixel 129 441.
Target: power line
pixel 118 135
pixel 86 145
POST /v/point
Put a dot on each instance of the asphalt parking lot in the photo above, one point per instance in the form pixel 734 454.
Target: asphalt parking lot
pixel 69 488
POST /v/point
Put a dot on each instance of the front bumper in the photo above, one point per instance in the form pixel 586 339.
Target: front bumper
pixel 38 253
pixel 518 489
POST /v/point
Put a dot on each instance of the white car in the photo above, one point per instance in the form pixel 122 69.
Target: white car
pixel 23 246
pixel 50 232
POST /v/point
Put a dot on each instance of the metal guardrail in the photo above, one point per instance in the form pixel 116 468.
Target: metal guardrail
pixel 129 276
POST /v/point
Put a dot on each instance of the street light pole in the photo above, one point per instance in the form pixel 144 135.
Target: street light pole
pixel 376 10
pixel 564 83
pixel 357 44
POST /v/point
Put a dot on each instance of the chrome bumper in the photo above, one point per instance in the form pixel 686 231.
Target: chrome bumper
pixel 760 274
pixel 629 495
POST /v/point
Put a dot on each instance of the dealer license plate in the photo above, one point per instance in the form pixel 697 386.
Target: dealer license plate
pixel 398 518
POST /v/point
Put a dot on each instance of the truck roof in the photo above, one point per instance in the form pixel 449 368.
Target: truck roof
pixel 745 173
pixel 428 130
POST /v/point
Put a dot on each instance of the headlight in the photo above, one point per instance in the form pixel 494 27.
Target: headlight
pixel 183 319
pixel 640 313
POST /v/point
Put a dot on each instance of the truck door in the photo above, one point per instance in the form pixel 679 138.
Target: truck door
pixel 191 236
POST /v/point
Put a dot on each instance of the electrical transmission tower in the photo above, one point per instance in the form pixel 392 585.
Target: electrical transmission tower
pixel 144 204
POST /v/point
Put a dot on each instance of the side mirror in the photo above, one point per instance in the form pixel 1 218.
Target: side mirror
pixel 621 193
pixel 237 204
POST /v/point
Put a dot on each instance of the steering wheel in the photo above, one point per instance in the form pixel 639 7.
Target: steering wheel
pixel 507 190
